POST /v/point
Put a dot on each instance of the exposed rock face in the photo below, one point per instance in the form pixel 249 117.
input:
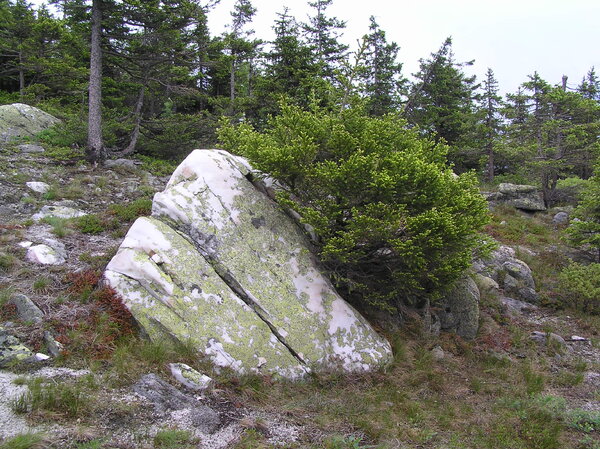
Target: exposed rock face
pixel 221 265
pixel 21 120
pixel 519 196
pixel 460 309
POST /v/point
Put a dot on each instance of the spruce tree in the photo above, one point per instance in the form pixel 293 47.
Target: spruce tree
pixel 383 81
pixel 490 121
pixel 323 35
pixel 441 101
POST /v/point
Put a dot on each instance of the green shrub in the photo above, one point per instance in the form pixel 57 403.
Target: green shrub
pixel 580 287
pixel 393 220
pixel 130 211
pixel 586 231
pixel 156 166
pixel 90 224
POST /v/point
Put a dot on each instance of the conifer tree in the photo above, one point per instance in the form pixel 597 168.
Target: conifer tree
pixel 383 81
pixel 490 104
pixel 323 35
pixel 441 101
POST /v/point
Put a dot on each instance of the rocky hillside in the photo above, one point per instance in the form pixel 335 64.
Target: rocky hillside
pixel 77 372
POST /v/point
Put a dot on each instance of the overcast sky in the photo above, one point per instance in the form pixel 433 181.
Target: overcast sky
pixel 513 37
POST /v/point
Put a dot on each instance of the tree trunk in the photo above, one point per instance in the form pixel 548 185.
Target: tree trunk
pixel 490 167
pixel 232 83
pixel 21 77
pixel 138 120
pixel 95 147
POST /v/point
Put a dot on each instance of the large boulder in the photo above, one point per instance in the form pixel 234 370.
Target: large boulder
pixel 523 197
pixel 21 120
pixel 220 265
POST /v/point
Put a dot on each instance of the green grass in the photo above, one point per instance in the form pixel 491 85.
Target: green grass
pixel 174 439
pixel 67 399
pixel 25 441
pixel 7 262
pixel 61 227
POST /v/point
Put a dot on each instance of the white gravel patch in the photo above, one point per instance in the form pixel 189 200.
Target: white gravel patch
pixel 10 424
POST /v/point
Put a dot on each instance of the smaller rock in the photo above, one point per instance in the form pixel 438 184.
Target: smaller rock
pixel 41 357
pixel 58 212
pixel 25 244
pixel 124 163
pixel 54 347
pixel 578 338
pixel 549 339
pixel 516 306
pixel 459 311
pixel 485 283
pixel 189 377
pixel 31 148
pixel 528 294
pixel 438 353
pixel 39 187
pixel 45 255
pixel 12 351
pixel 168 399
pixel 509 282
pixel 27 310
pixel 561 218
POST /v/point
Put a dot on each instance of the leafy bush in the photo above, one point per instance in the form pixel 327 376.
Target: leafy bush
pixel 393 220
pixel 580 287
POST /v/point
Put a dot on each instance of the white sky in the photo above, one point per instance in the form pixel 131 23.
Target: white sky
pixel 513 37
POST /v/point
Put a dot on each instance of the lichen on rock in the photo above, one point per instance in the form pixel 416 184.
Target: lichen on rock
pixel 236 276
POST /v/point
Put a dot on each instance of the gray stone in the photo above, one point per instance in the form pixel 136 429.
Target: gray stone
pixel 12 351
pixel 514 306
pixel 460 309
pixel 529 295
pixel 166 398
pixel 237 278
pixel 27 310
pixel 39 187
pixel 549 339
pixel 485 283
pixel 20 120
pixel 54 347
pixel 189 377
pixel 122 163
pixel 44 255
pixel 58 212
pixel 512 275
pixel 438 353
pixel 519 196
pixel 561 218
pixel 31 148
